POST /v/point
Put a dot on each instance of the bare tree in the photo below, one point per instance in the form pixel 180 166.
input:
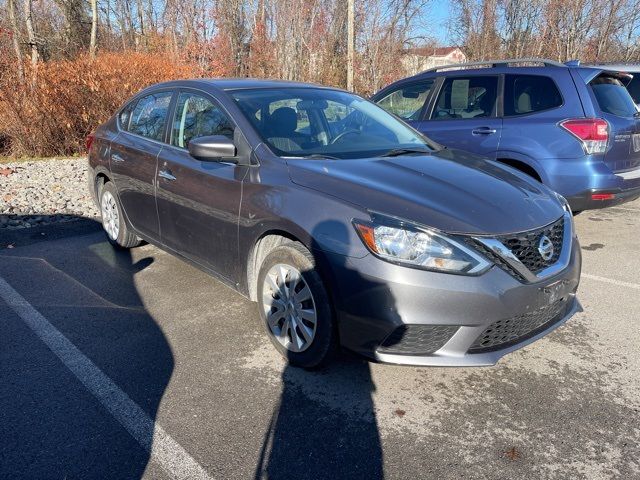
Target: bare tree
pixel 31 36
pixel 15 36
pixel 94 28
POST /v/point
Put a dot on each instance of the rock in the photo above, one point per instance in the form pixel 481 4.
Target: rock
pixel 31 197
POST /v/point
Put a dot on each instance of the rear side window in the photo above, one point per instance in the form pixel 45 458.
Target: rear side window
pixel 406 102
pixel 149 116
pixel 196 116
pixel 125 115
pixel 463 98
pixel 612 96
pixel 634 88
pixel 529 93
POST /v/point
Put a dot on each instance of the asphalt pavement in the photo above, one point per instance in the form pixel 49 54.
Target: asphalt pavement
pixel 130 365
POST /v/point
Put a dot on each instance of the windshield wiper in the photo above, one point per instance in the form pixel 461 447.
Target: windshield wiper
pixel 396 152
pixel 321 156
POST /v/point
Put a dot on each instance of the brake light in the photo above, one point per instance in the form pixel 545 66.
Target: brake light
pixel 593 133
pixel 88 141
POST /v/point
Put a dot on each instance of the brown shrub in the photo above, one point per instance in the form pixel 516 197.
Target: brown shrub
pixel 70 98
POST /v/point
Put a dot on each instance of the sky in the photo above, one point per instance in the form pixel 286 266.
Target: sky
pixel 437 19
pixel 440 12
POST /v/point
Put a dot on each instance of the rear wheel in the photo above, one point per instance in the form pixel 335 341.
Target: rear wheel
pixel 113 222
pixel 294 306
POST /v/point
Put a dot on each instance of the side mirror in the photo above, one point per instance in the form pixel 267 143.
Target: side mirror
pixel 213 148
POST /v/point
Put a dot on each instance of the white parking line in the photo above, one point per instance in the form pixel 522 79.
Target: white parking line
pixel 619 283
pixel 151 436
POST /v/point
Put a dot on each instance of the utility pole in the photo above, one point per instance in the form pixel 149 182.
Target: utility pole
pixel 350 43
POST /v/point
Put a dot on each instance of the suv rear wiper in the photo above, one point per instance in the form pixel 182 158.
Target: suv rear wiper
pixel 404 151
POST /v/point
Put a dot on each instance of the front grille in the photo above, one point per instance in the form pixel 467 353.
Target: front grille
pixel 510 331
pixel 525 245
pixel 417 339
pixel 495 258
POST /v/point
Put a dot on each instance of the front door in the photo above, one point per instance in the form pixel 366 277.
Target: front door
pixel 198 201
pixel 465 115
pixel 133 159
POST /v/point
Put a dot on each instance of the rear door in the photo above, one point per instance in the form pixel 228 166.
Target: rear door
pixel 618 109
pixel 133 159
pixel 465 114
pixel 198 202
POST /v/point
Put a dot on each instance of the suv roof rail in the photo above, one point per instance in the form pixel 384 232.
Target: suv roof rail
pixel 495 63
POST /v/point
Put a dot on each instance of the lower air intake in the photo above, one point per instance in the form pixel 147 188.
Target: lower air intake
pixel 510 331
pixel 417 339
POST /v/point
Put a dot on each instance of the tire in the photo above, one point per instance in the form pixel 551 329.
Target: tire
pixel 278 304
pixel 116 229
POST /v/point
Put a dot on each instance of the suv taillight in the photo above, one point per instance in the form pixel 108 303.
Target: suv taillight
pixel 88 141
pixel 593 133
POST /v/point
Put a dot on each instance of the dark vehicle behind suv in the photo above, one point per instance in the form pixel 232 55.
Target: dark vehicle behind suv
pixel 575 129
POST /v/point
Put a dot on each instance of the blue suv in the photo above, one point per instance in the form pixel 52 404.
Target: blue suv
pixel 576 129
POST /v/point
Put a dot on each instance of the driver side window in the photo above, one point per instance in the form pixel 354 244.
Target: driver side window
pixel 407 101
pixel 196 116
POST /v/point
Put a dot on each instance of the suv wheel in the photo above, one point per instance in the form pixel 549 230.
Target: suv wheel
pixel 113 222
pixel 294 306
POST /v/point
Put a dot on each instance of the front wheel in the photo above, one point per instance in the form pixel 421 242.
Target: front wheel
pixel 294 306
pixel 113 222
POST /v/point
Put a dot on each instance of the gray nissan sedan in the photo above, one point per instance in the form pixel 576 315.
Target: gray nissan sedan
pixel 344 224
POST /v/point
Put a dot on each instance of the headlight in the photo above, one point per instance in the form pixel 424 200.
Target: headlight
pixel 412 245
pixel 564 202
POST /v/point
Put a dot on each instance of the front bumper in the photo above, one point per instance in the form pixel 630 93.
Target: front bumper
pixel 375 298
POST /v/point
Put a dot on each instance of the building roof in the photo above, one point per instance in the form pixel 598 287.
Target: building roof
pixel 432 51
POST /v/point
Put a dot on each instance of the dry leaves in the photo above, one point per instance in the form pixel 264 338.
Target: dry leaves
pixel 513 454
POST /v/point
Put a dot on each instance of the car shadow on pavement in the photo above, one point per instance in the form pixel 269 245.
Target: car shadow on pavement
pixel 324 425
pixel 52 426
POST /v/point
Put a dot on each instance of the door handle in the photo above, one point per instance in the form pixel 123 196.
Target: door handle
pixel 116 158
pixel 483 131
pixel 166 174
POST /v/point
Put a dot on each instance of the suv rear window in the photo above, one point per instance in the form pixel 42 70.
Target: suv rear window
pixel 612 96
pixel 529 93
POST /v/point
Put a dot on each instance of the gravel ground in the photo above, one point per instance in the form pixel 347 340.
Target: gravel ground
pixel 44 191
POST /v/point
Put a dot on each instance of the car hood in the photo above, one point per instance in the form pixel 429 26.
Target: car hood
pixel 450 190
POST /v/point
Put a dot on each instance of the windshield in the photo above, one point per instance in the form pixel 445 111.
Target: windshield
pixel 317 122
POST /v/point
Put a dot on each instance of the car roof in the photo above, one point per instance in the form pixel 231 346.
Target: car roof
pixel 622 67
pixel 227 84
pixel 518 66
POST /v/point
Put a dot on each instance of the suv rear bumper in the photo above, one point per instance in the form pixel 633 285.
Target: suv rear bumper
pixel 585 201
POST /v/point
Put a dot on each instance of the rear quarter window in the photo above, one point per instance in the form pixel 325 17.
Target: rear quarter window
pixel 634 87
pixel 125 115
pixel 612 96
pixel 525 94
